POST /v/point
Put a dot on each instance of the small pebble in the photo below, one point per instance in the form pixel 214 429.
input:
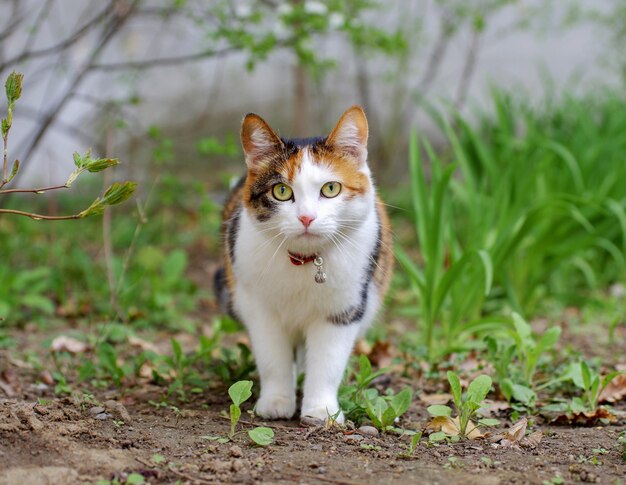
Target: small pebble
pixel 353 437
pixel 102 416
pixel 235 451
pixel 367 431
pixel 96 410
pixel 310 421
pixel 237 465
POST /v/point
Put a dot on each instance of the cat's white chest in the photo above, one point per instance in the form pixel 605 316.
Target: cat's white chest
pixel 266 276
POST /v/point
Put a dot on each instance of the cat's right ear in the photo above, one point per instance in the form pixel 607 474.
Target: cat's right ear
pixel 260 143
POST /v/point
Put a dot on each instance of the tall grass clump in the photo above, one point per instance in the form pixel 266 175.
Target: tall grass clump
pixel 542 190
pixel 525 204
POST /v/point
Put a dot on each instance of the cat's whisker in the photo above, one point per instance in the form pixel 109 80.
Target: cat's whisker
pixel 271 259
pixel 354 245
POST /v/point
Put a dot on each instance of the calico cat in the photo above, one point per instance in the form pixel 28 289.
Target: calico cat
pixel 307 259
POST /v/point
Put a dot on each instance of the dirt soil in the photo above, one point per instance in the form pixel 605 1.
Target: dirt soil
pixel 44 439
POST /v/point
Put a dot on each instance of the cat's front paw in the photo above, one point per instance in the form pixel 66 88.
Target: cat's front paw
pixel 323 413
pixel 275 407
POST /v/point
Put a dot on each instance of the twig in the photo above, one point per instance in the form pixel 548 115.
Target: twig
pixel 108 34
pixel 107 241
pixel 38 217
pixel 325 479
pixel 72 39
pixel 162 61
pixel 33 191
pixel 468 69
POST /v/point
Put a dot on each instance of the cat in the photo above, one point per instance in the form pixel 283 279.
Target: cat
pixel 307 259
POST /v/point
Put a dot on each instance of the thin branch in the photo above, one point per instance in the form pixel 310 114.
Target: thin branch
pixel 468 69
pixel 72 39
pixel 17 20
pixel 162 61
pixel 39 190
pixel 108 34
pixel 34 30
pixel 39 217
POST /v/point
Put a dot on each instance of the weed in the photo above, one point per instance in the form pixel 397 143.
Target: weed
pixel 415 439
pixel 447 275
pixel 467 406
pixel 518 381
pixel 359 401
pixel 239 393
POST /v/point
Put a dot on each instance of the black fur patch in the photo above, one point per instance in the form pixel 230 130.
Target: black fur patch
pixel 232 232
pixel 355 313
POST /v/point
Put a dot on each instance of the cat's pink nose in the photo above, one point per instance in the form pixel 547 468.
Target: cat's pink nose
pixel 306 220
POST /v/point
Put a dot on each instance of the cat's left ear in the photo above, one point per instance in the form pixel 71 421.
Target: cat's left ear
pixel 350 134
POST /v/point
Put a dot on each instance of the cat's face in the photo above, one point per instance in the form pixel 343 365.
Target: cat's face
pixel 312 192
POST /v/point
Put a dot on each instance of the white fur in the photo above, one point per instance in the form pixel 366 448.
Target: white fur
pixel 283 307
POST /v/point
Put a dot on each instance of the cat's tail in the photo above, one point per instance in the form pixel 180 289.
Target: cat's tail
pixel 220 288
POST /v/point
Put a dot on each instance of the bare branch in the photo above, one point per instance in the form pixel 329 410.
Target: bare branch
pixel 40 190
pixel 468 69
pixel 162 61
pixel 39 217
pixel 17 20
pixel 110 30
pixel 61 46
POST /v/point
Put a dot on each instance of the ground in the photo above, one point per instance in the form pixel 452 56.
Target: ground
pixel 45 439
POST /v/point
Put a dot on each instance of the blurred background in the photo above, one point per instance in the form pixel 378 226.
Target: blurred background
pixel 522 99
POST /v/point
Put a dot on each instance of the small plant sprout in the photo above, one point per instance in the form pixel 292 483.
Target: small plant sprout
pixel 467 421
pixel 384 411
pixel 591 383
pixel 621 441
pixel 240 392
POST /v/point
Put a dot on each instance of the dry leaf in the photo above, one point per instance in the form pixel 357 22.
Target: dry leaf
pixel 515 433
pixel 532 440
pixel 615 390
pixel 8 382
pixel 380 355
pixel 68 344
pixel 444 423
pixel 492 408
pixel 362 347
pixel 430 399
pixel 586 419
pixel 142 344
pixel 451 427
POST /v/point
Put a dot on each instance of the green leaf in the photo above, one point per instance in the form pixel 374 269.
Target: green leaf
pixel 13 87
pixel 240 392
pixel 39 302
pixel 478 389
pixel 6 126
pixel 135 479
pixel 156 458
pixel 401 401
pixel 262 436
pixel 439 436
pixel 522 328
pixel 586 374
pixel 439 410
pixel 548 340
pixel 489 422
pixel 455 387
pixel 16 167
pixel 235 414
pixel 100 164
pixel 522 394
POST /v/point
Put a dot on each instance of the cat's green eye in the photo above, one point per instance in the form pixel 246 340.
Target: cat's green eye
pixel 331 189
pixel 282 192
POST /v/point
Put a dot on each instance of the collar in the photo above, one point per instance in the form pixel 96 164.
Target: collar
pixel 300 259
